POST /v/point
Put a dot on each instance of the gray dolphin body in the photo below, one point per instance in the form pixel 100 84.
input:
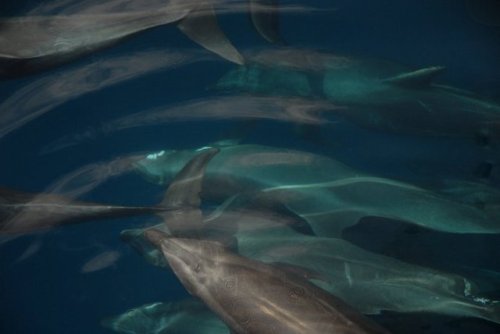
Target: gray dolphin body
pixel 367 281
pixel 253 297
pixel 325 192
pixel 378 94
pixel 32 43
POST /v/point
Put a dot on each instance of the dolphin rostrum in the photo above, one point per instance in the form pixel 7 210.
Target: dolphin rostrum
pixel 253 297
pixel 23 212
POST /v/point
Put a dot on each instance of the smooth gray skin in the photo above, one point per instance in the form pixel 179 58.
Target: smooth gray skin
pixel 369 282
pixel 253 297
pixel 377 94
pixel 23 213
pixel 32 43
pixel 325 192
pixel 184 317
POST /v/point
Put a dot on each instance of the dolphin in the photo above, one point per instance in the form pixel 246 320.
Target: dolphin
pixel 50 91
pixel 370 282
pixel 254 297
pixel 376 94
pixel 33 43
pixel 183 317
pixel 22 212
pixel 297 111
pixel 329 195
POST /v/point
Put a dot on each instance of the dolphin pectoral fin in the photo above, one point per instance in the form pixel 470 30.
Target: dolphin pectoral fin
pixel 301 271
pixel 264 15
pixel 416 79
pixel 202 27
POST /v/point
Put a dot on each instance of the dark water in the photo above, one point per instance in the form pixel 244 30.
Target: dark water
pixel 44 284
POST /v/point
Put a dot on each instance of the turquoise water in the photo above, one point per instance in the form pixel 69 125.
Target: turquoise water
pixel 336 103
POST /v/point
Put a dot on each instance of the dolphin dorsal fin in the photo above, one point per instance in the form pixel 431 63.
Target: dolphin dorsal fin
pixel 202 27
pixel 416 79
pixel 184 191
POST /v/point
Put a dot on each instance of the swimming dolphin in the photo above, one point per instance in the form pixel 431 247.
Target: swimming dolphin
pixel 323 191
pixel 377 94
pixel 297 111
pixel 184 317
pixel 253 297
pixel 23 212
pixel 44 94
pixel 32 43
pixel 369 282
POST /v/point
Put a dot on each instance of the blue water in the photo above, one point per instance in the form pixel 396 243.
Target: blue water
pixel 46 292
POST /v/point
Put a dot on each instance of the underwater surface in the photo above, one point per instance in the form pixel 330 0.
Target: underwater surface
pixel 345 152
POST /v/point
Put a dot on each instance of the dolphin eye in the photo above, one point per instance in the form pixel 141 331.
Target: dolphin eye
pixel 197 268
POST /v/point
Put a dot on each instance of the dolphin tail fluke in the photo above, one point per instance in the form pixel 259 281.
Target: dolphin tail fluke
pixel 202 27
pixel 264 15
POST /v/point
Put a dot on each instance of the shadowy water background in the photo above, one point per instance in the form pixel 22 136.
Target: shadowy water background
pixel 43 284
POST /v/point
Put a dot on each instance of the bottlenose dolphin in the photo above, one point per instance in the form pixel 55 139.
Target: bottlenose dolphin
pixel 44 94
pixel 234 107
pixel 325 192
pixel 32 43
pixel 184 317
pixel 23 212
pixel 254 297
pixel 369 282
pixel 377 94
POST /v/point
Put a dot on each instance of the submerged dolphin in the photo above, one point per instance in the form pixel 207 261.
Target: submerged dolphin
pixel 22 212
pixel 184 317
pixel 378 94
pixel 325 192
pixel 32 43
pixel 253 297
pixel 369 282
